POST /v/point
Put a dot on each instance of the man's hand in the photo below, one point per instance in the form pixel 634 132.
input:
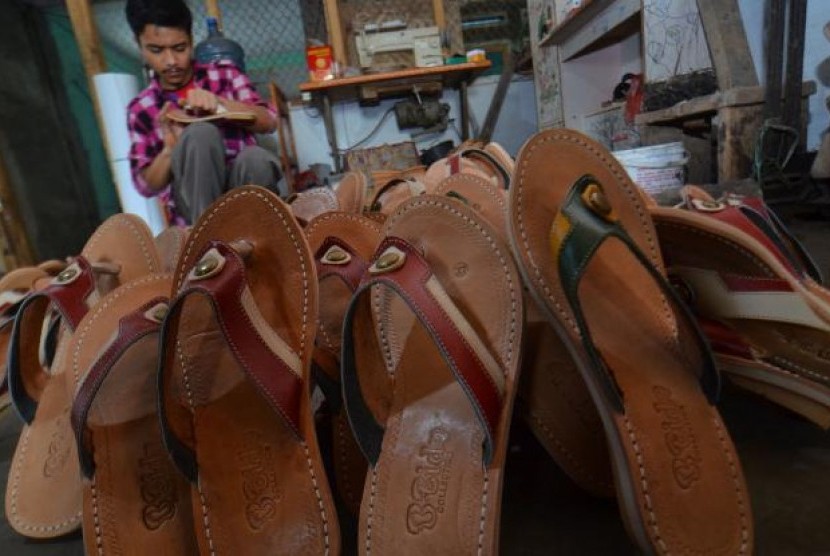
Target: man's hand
pixel 170 130
pixel 201 100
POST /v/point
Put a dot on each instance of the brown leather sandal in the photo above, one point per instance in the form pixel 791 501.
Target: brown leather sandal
pixel 553 398
pixel 342 245
pixel 588 252
pixel 43 495
pixel 135 501
pixel 14 286
pixel 234 384
pixel 430 359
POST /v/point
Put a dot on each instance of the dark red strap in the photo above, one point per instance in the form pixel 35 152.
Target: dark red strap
pixel 131 328
pixel 409 281
pixel 278 384
pixel 350 272
pixel 67 293
pixel 454 162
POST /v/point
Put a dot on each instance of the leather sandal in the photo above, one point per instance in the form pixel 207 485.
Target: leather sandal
pixel 234 384
pixel 14 286
pixel 500 154
pixel 394 192
pixel 553 398
pixel 430 359
pixel 467 160
pixel 756 291
pixel 587 250
pixel 351 192
pixel 43 495
pixel 134 500
pixel 342 245
pixel 308 204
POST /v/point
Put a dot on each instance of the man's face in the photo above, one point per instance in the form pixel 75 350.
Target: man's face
pixel 167 50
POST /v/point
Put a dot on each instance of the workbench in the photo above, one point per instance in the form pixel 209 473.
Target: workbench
pixel 733 117
pixel 373 86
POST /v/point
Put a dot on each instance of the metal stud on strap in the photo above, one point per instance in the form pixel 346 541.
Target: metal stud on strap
pixel 391 259
pixel 211 263
pixel 336 255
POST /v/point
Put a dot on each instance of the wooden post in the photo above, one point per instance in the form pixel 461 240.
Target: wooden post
pixel 335 28
pixel 440 16
pixel 16 252
pixel 86 33
pixel 214 11
pixel 725 35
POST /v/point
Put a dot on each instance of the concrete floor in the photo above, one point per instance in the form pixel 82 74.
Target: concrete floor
pixel 785 459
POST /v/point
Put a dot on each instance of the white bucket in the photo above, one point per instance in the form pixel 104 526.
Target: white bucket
pixel 656 168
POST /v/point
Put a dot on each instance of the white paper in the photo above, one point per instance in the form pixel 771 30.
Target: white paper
pixel 115 91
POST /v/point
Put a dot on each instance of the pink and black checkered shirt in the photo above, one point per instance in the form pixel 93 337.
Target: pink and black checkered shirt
pixel 222 79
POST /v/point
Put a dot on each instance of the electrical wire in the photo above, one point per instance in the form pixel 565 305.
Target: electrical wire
pixel 371 133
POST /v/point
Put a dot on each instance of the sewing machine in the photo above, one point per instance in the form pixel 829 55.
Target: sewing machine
pixel 423 42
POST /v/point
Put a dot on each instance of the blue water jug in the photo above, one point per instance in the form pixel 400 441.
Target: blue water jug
pixel 217 47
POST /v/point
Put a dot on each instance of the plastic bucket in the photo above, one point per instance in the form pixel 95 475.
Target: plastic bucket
pixel 656 168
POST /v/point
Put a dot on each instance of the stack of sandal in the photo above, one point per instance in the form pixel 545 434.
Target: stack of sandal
pixel 193 373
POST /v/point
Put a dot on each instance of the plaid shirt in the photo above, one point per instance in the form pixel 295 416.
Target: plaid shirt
pixel 222 79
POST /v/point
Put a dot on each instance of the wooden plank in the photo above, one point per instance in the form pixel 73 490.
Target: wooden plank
pixel 335 29
pixel 615 22
pixel 17 251
pixel 737 96
pixel 392 75
pixel 728 46
pixel 212 7
pixel 86 34
pixel 440 16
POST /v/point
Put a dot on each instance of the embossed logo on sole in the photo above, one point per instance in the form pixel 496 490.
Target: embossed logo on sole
pixel 259 482
pixel 679 437
pixel 158 488
pixel 58 451
pixel 428 491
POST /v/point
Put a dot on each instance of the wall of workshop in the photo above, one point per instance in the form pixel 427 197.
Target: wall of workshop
pixel 516 122
pixel 38 137
pixel 816 58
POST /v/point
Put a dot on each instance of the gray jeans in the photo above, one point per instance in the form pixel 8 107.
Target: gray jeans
pixel 200 175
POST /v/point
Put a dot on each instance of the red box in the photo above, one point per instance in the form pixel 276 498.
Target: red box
pixel 319 60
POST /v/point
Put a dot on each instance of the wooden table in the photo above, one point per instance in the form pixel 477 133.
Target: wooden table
pixel 372 86
pixel 740 117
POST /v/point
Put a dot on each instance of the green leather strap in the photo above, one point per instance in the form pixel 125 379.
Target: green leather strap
pixel 583 224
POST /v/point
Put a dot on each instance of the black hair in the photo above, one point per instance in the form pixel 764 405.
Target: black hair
pixel 164 13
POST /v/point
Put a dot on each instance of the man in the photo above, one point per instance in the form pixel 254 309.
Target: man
pixel 190 166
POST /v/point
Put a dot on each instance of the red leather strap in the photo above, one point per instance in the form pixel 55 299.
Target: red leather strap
pixel 68 294
pixel 734 217
pixel 350 273
pixel 724 340
pixel 454 163
pixel 131 328
pixel 278 384
pixel 409 281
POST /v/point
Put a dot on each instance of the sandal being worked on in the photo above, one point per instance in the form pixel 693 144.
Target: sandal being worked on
pixel 43 496
pixel 135 501
pixel 234 384
pixel 430 360
pixel 754 289
pixel 588 252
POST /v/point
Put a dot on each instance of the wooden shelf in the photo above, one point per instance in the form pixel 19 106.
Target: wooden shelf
pixel 593 25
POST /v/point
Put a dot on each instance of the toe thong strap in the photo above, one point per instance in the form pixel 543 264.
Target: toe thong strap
pixel 584 222
pixel 266 359
pixel 400 267
pixel 67 294
pixel 131 328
